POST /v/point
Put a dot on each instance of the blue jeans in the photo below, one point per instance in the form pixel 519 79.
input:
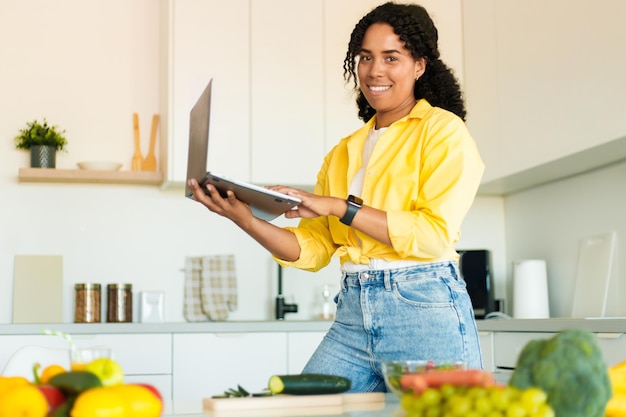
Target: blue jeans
pixel 420 312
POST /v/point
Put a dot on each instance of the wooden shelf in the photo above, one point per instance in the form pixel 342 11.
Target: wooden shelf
pixel 89 176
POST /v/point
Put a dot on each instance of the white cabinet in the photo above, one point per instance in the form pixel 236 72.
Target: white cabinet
pixel 287 90
pixel 508 345
pixel 532 94
pixel 208 364
pixel 613 347
pixel 486 349
pixel 279 98
pixel 204 39
pixel 301 346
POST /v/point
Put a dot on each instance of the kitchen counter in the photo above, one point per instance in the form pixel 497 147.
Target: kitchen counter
pixel 601 325
pixel 183 327
pixel 596 325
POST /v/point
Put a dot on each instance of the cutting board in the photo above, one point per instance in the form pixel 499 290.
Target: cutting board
pixel 595 259
pixel 292 405
pixel 38 289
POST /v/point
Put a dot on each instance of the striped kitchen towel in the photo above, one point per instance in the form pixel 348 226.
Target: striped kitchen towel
pixel 210 287
pixel 192 308
pixel 219 286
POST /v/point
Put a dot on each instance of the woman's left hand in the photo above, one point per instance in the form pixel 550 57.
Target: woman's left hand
pixel 312 205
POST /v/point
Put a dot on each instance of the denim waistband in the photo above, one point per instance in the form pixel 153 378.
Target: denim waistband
pixel 387 276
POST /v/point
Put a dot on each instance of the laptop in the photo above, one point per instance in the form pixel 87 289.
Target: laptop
pixel 265 204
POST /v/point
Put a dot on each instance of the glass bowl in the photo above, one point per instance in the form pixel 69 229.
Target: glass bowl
pixel 393 370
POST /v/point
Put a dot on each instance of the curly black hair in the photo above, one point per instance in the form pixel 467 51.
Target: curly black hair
pixel 413 25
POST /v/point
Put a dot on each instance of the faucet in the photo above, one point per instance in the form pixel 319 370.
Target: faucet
pixel 281 306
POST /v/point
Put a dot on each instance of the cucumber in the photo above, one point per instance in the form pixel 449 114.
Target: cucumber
pixel 308 384
pixel 75 382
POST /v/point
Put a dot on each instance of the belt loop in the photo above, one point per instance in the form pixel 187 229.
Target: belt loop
pixel 387 279
pixel 343 281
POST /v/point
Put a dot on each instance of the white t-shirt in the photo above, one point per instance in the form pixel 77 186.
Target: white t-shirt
pixel 356 187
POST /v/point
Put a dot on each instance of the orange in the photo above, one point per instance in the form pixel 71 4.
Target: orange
pixel 100 402
pixel 23 401
pixel 50 371
pixel 140 400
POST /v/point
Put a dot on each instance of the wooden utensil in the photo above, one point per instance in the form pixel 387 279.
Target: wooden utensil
pixel 137 157
pixel 150 163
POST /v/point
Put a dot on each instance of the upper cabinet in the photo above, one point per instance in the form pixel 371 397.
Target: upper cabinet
pixel 279 98
pixel 287 91
pixel 200 40
pixel 544 87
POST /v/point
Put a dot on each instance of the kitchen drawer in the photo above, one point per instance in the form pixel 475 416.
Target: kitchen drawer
pixel 208 364
pixel 486 349
pixel 613 347
pixel 300 347
pixel 11 344
pixel 139 354
pixel 508 345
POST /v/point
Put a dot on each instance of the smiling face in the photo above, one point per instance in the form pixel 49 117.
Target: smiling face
pixel 387 72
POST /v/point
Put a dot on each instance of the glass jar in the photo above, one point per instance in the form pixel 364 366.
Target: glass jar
pixel 119 303
pixel 87 303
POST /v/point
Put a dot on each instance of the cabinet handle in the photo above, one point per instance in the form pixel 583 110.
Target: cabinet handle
pixel 609 335
pixel 230 334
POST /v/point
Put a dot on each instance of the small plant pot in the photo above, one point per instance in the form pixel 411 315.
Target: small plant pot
pixel 43 156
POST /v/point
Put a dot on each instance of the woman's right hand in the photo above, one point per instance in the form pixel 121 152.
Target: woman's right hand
pixel 229 207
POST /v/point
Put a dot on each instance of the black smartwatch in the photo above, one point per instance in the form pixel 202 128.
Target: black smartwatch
pixel 354 204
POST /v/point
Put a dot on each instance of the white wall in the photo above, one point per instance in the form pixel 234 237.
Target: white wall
pixel 87 67
pixel 548 222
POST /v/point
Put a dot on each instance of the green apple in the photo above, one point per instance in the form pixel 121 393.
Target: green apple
pixel 109 371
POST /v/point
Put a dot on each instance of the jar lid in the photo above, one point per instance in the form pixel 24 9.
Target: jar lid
pixel 119 286
pixel 87 286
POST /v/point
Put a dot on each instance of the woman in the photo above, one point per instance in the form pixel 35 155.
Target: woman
pixel 410 175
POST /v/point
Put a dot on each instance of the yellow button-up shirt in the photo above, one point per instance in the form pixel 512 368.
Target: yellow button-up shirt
pixel 424 172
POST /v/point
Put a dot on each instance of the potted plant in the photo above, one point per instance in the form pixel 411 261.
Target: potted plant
pixel 43 140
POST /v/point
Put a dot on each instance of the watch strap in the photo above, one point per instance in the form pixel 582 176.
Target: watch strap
pixel 353 207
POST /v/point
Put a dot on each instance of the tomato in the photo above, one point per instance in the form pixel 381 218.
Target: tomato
pixel 24 401
pixel 53 395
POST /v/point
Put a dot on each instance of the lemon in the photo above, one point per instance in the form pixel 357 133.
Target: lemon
pixel 23 400
pixel 141 402
pixel 100 402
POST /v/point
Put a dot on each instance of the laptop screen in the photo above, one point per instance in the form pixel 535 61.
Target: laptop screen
pixel 199 137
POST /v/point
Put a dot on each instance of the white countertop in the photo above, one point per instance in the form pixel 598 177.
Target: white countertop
pixel 600 325
pixel 183 327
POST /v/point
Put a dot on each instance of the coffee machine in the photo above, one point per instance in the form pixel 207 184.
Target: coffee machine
pixel 475 267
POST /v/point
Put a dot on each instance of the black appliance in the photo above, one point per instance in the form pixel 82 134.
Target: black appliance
pixel 475 266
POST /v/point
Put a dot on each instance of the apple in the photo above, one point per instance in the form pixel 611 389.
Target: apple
pixel 108 370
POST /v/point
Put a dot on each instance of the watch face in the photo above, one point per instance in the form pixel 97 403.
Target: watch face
pixel 356 200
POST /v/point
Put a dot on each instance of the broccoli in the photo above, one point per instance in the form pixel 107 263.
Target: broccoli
pixel 570 368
